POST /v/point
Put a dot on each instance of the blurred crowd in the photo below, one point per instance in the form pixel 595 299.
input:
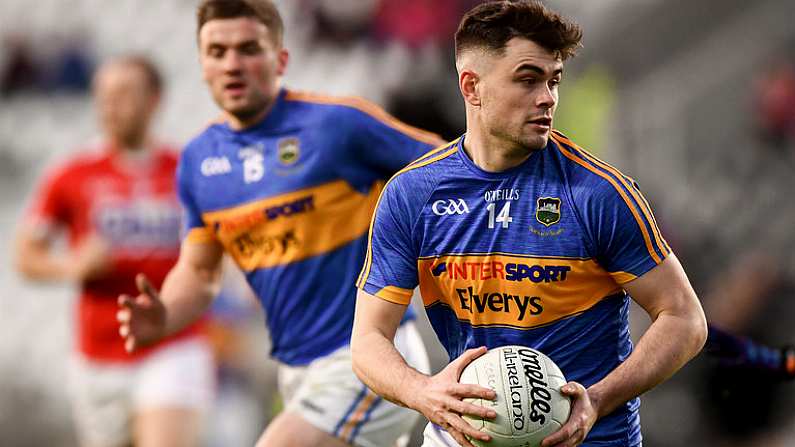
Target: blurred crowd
pixel 67 67
pixel 399 53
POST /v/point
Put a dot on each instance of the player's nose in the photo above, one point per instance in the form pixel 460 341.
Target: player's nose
pixel 232 61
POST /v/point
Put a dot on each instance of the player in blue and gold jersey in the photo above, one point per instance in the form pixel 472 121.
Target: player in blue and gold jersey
pixel 286 185
pixel 517 236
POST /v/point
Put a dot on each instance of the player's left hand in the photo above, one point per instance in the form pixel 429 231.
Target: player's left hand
pixel 583 416
pixel 142 319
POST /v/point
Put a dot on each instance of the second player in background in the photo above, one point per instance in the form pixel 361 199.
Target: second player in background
pixel 285 183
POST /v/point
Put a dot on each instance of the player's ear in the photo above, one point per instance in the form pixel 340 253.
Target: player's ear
pixel 468 84
pixel 281 61
pixel 154 101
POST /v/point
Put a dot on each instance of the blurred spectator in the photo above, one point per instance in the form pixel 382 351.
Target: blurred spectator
pixel 67 65
pixel 20 74
pixel 776 104
pixel 342 22
pixel 70 69
pixel 417 23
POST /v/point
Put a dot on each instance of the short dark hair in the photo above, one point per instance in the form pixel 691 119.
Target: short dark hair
pixel 492 24
pixel 262 10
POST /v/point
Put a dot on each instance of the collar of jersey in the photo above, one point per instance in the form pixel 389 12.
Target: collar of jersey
pixel 143 160
pixel 273 122
pixel 493 175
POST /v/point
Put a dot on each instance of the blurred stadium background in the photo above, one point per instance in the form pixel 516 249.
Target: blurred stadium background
pixel 694 99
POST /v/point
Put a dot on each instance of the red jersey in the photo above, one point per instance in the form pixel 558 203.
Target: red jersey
pixel 129 200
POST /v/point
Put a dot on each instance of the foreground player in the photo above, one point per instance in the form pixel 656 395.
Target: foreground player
pixel 517 236
pixel 286 185
pixel 119 207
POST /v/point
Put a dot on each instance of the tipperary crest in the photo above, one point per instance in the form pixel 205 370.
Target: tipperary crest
pixel 548 210
pixel 288 151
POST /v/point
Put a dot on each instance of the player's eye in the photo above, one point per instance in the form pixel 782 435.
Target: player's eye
pixel 215 52
pixel 251 48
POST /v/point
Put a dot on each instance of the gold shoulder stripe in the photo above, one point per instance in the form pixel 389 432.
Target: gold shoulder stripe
pixel 433 152
pixel 655 226
pixel 642 203
pixel 632 208
pixel 369 108
pixel 200 235
pixel 368 260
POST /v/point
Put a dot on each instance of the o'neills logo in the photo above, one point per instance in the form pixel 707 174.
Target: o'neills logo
pixel 515 388
pixel 540 397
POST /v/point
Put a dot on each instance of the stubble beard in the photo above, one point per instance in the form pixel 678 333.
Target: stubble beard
pixel 524 144
pixel 536 142
pixel 247 112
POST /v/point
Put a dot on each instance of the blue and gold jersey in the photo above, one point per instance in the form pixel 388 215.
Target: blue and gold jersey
pixel 532 256
pixel 290 199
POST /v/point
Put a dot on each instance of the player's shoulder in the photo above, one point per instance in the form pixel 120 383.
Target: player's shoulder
pixel 428 170
pixel 206 137
pixel 79 161
pixel 585 172
pixel 332 104
pixel 338 114
pixel 353 109
pixel 407 192
pixel 166 153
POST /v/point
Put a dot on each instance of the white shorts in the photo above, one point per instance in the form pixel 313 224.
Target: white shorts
pixel 329 396
pixel 106 396
pixel 434 436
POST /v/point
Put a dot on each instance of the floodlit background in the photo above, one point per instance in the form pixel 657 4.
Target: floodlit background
pixel 693 99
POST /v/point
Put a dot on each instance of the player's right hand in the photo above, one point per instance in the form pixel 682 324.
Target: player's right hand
pixel 142 319
pixel 441 400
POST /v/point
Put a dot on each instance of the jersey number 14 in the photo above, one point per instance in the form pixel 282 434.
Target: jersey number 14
pixel 503 217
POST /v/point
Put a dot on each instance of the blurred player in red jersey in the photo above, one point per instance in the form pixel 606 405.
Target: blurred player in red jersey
pixel 118 208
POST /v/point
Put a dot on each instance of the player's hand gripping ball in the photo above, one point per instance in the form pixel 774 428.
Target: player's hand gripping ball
pixel 529 404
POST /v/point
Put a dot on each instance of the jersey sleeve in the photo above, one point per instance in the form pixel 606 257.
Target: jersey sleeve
pixel 390 267
pixel 49 206
pixel 628 241
pixel 385 144
pixel 193 227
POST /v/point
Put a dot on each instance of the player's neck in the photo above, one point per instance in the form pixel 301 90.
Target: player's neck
pixel 242 122
pixel 493 154
pixel 131 146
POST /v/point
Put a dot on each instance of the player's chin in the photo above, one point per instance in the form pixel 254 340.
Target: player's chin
pixel 536 141
pixel 235 104
pixel 241 109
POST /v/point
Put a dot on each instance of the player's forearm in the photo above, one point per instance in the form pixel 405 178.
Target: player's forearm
pixel 187 293
pixel 37 263
pixel 670 342
pixel 381 367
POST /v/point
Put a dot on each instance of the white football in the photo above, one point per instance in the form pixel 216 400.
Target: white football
pixel 529 404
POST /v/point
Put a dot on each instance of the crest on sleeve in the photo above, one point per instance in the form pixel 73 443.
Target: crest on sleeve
pixel 548 210
pixel 288 151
